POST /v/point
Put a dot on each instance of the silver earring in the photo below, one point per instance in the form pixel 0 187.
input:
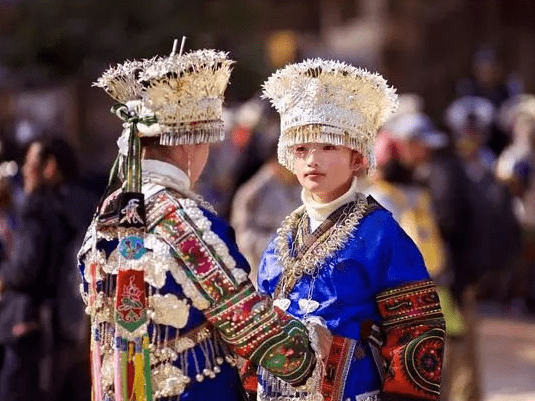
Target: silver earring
pixel 189 165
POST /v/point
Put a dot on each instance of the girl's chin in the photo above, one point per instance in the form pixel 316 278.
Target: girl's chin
pixel 313 188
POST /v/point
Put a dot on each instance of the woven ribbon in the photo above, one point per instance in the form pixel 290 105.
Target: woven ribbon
pixel 132 165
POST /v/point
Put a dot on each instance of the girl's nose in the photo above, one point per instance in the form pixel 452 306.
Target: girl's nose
pixel 312 158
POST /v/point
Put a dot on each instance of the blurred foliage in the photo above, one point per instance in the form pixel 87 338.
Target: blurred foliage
pixel 59 38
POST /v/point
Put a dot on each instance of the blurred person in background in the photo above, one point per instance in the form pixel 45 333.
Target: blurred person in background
pixel 517 117
pixel 405 152
pixel 516 167
pixel 42 323
pixel 261 204
pixel 493 234
pixel 470 119
pixel 7 219
pixel 489 81
pixel 404 144
pixel 234 160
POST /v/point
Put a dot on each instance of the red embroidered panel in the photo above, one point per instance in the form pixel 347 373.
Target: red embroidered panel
pixel 337 367
pixel 130 301
pixel 246 319
pixel 414 345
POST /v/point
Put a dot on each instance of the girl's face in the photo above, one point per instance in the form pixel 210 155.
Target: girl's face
pixel 325 170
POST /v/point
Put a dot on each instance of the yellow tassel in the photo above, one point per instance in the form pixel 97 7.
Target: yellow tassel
pixel 138 392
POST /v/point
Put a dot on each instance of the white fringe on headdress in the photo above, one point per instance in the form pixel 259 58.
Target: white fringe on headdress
pixel 320 133
pixel 330 102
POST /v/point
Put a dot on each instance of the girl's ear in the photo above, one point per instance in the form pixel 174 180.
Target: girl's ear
pixel 356 160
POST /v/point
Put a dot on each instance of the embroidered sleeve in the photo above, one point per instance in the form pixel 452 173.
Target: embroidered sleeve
pixel 413 346
pixel 246 320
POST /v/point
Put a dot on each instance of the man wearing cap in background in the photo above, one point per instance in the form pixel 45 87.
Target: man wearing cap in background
pixel 491 234
pixel 516 167
pixel 165 286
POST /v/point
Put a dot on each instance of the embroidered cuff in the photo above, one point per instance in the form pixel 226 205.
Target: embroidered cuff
pixel 414 340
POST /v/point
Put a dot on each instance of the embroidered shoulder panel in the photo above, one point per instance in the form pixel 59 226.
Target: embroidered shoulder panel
pixel 246 319
pixel 182 225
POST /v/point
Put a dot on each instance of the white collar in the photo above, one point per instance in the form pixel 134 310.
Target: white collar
pixel 157 174
pixel 166 174
pixel 318 212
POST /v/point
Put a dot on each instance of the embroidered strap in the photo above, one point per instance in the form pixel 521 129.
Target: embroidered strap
pixel 202 264
pixel 414 344
pixel 337 367
pixel 246 320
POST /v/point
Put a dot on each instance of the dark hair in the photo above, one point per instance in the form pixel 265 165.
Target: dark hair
pixel 63 153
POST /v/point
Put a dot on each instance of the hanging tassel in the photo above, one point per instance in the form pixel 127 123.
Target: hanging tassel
pixel 139 376
pixel 124 367
pixel 146 367
pixel 97 369
pixel 130 371
pixel 118 376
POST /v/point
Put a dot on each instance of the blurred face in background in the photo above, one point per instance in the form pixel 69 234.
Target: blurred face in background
pixel 524 130
pixel 413 153
pixel 325 170
pixel 32 169
pixel 469 141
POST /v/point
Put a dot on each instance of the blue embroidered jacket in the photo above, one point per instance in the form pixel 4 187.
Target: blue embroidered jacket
pixel 354 263
pixel 201 308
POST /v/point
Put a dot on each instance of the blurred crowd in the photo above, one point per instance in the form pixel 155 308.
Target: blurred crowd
pixel 43 332
pixel 462 187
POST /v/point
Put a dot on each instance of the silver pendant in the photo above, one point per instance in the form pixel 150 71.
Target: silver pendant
pixel 308 305
pixel 282 303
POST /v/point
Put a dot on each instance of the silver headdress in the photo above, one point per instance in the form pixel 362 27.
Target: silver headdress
pixel 181 94
pixel 177 98
pixel 185 92
pixel 328 101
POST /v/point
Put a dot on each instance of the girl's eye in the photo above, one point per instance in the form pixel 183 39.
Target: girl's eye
pixel 329 147
pixel 300 149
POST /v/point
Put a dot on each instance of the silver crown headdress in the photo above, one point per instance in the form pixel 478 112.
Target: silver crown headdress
pixel 328 101
pixel 182 93
pixel 185 93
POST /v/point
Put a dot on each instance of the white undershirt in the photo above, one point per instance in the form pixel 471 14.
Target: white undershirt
pixel 318 212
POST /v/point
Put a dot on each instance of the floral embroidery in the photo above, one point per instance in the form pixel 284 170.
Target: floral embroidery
pixel 130 300
pixel 132 247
